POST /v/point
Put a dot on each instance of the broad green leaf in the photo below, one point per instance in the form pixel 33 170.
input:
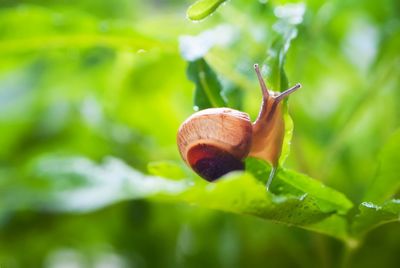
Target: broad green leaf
pixel 328 198
pixel 82 185
pixel 293 183
pixel 79 184
pixel 372 215
pixel 167 169
pixel 334 225
pixel 387 182
pixel 208 88
pixel 203 8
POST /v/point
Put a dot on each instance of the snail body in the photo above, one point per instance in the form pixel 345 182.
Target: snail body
pixel 215 141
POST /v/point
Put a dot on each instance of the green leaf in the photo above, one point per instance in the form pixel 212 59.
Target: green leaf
pixel 167 169
pixel 203 8
pixel 328 198
pixel 274 64
pixel 372 215
pixel 290 15
pixel 82 185
pixel 387 182
pixel 208 88
pixel 293 183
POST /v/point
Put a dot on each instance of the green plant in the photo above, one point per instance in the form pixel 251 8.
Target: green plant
pixel 85 125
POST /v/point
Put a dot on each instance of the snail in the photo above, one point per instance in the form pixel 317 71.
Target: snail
pixel 215 141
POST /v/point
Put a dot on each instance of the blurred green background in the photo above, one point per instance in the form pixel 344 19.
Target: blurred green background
pixel 97 78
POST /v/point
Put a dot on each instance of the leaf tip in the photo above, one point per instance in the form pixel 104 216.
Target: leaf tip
pixel 202 9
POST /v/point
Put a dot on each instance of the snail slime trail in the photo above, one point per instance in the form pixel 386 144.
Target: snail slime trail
pixel 215 141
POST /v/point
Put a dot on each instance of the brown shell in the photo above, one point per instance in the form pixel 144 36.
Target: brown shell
pixel 220 133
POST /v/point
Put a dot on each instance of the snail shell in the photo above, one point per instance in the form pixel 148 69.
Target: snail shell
pixel 214 141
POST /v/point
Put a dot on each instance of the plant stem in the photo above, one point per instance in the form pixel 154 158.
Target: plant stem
pixel 349 248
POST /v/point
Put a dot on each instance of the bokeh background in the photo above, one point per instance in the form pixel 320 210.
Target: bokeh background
pixel 94 78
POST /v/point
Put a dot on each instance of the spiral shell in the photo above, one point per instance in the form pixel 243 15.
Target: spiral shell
pixel 214 141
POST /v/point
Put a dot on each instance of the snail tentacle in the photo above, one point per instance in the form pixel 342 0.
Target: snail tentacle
pixel 287 92
pixel 263 86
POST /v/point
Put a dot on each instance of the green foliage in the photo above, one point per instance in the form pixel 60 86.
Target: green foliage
pixel 371 215
pixel 167 169
pixel 311 207
pixel 93 92
pixel 285 31
pixel 208 92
